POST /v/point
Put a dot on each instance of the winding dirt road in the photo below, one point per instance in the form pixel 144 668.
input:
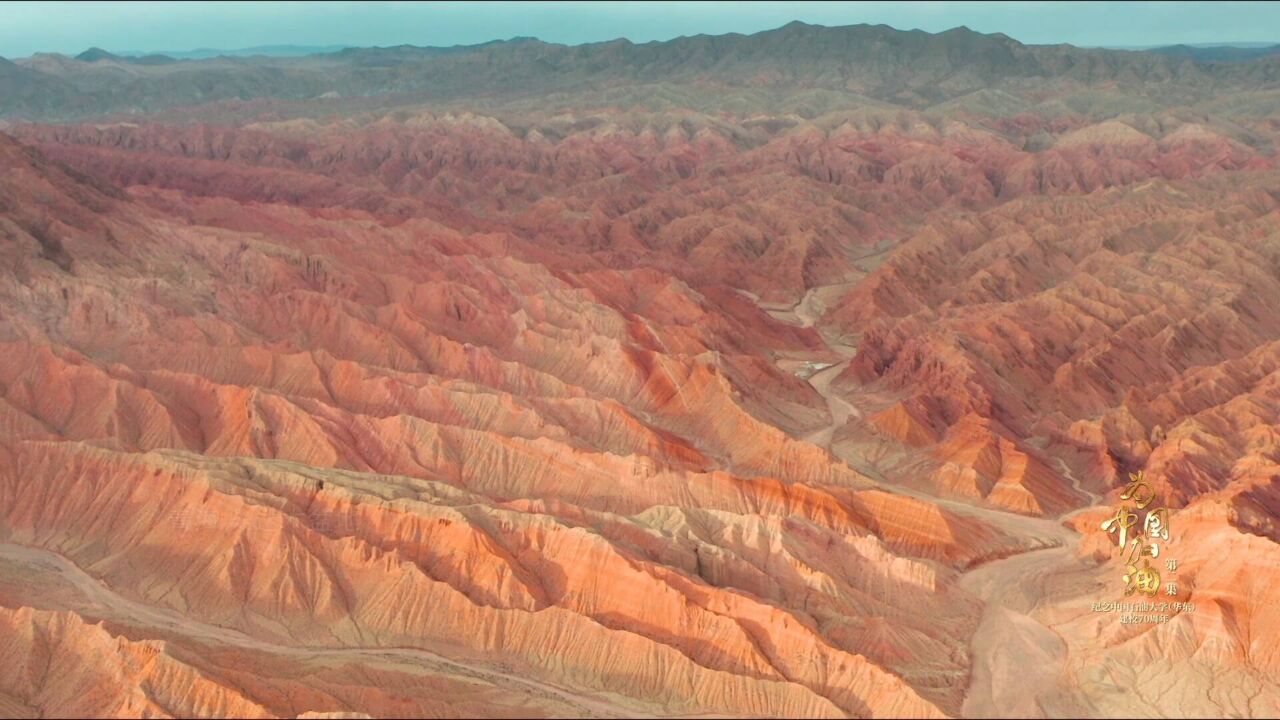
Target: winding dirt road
pixel 1016 660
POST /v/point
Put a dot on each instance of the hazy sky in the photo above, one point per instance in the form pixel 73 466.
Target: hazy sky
pixel 72 27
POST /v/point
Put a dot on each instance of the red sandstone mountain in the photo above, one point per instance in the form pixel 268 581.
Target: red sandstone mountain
pixel 634 400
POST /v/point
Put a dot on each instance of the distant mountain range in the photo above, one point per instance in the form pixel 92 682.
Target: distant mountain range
pixel 1194 45
pixel 96 54
pixel 1208 52
pixel 830 66
pixel 265 50
pixel 1219 53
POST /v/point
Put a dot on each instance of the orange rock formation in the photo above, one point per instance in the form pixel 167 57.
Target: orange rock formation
pixel 675 407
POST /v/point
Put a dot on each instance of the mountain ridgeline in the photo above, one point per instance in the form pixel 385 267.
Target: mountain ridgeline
pixel 842 66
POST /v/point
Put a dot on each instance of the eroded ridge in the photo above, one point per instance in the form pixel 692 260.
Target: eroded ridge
pixel 755 399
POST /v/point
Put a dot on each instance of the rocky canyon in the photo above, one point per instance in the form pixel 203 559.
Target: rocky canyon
pixel 791 374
